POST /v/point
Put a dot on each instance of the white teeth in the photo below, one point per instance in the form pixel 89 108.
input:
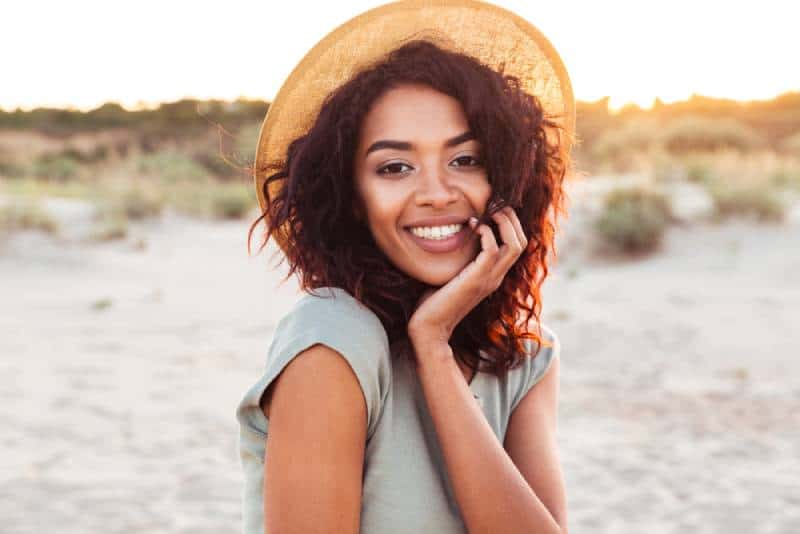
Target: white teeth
pixel 436 232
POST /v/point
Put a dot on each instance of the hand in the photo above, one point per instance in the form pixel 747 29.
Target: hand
pixel 439 311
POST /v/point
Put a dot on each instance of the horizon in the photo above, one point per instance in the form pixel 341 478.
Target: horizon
pixel 149 106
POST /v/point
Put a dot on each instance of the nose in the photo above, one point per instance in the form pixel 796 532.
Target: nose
pixel 434 189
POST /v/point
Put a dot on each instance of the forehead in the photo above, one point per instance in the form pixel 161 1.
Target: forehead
pixel 413 111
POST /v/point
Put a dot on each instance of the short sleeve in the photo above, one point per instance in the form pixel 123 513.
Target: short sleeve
pixel 335 319
pixel 534 369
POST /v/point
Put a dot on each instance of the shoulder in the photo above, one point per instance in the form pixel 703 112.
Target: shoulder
pixel 334 317
pixel 552 344
pixel 337 320
pixel 334 314
pixel 537 360
pixel 328 302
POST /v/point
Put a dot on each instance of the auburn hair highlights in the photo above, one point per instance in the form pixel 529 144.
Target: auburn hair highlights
pixel 327 245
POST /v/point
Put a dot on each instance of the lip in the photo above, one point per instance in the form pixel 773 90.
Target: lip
pixel 439 246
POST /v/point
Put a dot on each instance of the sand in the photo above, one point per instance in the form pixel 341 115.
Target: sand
pixel 123 363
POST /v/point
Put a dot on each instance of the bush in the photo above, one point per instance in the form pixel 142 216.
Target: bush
pixel 213 200
pixel 758 200
pixel 232 201
pixel 699 172
pixel 97 153
pixel 10 169
pixel 214 163
pixel 26 215
pixel 786 178
pixel 616 146
pixel 693 133
pixel 139 202
pixel 55 167
pixel 110 222
pixel 171 167
pixel 634 220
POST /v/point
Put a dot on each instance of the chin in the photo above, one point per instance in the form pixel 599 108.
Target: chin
pixel 436 278
pixel 434 271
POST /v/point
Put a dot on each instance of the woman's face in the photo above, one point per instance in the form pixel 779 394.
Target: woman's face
pixel 419 176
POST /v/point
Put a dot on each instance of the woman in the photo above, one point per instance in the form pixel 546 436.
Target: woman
pixel 417 206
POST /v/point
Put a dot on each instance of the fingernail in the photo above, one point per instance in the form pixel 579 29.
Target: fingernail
pixel 473 221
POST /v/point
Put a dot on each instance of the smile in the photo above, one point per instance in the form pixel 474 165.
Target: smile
pixel 435 232
pixel 439 239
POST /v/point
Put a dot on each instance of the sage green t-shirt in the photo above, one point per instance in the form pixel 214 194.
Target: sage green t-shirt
pixel 405 484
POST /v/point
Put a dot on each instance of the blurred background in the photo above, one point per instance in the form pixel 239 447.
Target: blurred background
pixel 133 319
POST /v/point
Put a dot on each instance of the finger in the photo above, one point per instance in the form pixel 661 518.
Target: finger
pixel 511 245
pixel 489 250
pixel 518 227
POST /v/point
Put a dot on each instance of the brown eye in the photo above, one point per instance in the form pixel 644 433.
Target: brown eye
pixel 468 158
pixel 383 170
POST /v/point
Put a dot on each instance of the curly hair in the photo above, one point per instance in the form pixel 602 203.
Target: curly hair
pixel 326 245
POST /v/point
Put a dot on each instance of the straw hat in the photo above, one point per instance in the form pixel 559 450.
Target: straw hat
pixel 495 36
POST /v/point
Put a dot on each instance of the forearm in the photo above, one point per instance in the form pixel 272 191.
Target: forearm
pixel 492 494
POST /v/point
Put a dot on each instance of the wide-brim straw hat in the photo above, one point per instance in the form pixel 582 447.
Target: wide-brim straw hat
pixel 495 36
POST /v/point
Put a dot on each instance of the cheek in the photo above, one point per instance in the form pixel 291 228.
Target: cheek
pixel 383 204
pixel 382 214
pixel 481 196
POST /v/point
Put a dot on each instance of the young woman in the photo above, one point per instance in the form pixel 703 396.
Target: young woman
pixel 412 388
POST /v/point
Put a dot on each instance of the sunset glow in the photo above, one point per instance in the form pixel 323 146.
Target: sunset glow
pixel 81 54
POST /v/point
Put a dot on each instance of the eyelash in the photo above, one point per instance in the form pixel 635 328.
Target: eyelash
pixel 380 170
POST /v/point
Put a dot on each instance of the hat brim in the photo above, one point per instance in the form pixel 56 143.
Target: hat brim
pixel 497 37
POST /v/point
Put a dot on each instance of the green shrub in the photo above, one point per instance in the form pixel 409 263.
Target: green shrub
pixel 214 163
pixel 140 202
pixel 699 172
pixel 55 167
pixel 98 153
pixel 786 178
pixel 10 169
pixel 101 304
pixel 232 201
pixel 633 220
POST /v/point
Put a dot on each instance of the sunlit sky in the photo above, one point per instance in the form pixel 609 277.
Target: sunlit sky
pixel 82 53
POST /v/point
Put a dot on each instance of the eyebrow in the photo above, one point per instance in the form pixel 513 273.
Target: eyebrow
pixel 405 145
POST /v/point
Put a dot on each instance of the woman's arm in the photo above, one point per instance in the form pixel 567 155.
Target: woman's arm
pixel 315 447
pixel 492 493
pixel 531 442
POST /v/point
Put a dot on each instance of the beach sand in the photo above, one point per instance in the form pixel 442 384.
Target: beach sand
pixel 123 363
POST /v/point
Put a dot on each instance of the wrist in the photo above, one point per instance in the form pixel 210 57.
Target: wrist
pixel 431 351
pixel 426 334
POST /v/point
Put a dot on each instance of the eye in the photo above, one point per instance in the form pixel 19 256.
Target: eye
pixel 475 164
pixel 383 170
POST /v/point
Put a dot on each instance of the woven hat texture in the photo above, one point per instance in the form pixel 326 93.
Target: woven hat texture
pixel 495 36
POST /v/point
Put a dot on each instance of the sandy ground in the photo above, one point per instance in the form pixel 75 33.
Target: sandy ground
pixel 122 365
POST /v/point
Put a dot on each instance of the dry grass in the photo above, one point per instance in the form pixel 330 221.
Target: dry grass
pixel 26 214
pixel 760 201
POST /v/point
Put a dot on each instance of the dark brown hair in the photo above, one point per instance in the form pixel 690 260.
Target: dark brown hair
pixel 328 246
